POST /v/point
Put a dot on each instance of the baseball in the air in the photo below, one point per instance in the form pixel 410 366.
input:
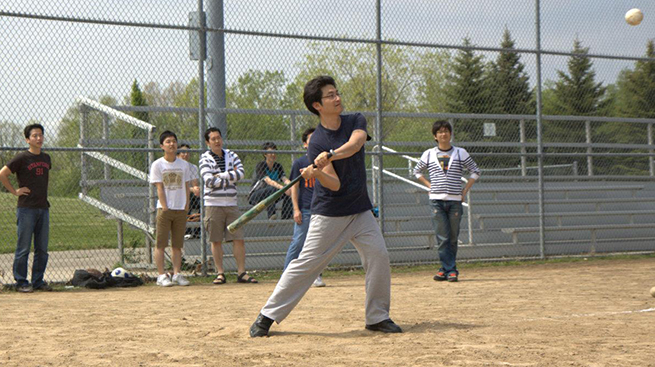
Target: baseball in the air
pixel 652 291
pixel 634 16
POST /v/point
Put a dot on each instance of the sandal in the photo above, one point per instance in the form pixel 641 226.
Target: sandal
pixel 220 279
pixel 240 278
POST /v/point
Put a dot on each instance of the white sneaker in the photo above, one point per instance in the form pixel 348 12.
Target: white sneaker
pixel 180 280
pixel 164 280
pixel 319 282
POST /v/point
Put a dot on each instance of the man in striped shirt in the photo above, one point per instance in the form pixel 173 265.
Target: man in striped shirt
pixel 445 165
pixel 220 170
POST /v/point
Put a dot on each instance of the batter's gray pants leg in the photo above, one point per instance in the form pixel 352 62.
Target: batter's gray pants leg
pixel 325 239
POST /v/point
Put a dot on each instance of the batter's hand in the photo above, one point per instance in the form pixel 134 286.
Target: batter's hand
pixel 322 160
pixel 308 172
pixel 297 216
pixel 22 191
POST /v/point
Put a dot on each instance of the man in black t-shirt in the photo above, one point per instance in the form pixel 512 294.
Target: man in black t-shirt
pixel 33 217
pixel 341 212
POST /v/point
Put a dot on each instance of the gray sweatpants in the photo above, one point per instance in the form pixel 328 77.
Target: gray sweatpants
pixel 325 239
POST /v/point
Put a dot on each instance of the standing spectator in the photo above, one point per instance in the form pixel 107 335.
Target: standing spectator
pixel 445 164
pixel 32 214
pixel 194 199
pixel 270 177
pixel 220 170
pixel 171 176
pixel 301 196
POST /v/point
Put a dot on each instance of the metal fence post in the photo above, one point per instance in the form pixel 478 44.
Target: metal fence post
pixel 378 115
pixel 524 170
pixel 470 218
pixel 201 103
pixel 105 136
pixel 216 61
pixel 651 159
pixel 293 134
pixel 119 235
pixel 83 163
pixel 540 143
pixel 152 196
pixel 590 159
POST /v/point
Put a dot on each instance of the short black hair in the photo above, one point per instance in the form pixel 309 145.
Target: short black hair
pixel 269 145
pixel 28 129
pixel 184 145
pixel 440 124
pixel 306 134
pixel 313 93
pixel 166 134
pixel 212 130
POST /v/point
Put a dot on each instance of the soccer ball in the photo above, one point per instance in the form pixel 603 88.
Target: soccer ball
pixel 119 273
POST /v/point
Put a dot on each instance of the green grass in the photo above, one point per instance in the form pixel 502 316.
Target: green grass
pixel 74 225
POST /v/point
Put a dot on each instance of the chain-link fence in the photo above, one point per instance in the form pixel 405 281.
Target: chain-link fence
pixel 554 102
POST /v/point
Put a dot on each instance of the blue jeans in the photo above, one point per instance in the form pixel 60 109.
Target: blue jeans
pixel 261 194
pixel 446 218
pixel 299 235
pixel 31 222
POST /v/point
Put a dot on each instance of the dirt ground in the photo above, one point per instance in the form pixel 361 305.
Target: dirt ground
pixel 594 313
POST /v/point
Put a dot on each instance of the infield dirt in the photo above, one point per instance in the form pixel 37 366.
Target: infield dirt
pixel 595 313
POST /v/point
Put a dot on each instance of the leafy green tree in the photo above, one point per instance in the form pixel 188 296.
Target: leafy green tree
pixel 355 70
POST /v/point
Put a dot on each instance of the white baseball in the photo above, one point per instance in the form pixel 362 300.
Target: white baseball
pixel 634 16
pixel 652 291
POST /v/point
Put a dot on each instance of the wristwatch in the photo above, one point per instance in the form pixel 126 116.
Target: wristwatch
pixel 332 153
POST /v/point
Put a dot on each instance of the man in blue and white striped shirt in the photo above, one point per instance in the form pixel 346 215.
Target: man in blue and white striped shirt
pixel 445 165
pixel 220 170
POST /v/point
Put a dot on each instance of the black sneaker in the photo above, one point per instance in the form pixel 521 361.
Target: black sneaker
pixel 260 326
pixel 27 288
pixel 440 276
pixel 386 326
pixel 43 288
pixel 452 277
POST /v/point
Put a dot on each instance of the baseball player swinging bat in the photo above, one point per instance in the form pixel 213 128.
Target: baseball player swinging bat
pixel 265 203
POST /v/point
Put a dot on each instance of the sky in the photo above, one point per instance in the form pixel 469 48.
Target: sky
pixel 45 65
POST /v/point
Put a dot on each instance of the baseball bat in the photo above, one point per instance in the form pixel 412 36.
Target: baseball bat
pixel 260 206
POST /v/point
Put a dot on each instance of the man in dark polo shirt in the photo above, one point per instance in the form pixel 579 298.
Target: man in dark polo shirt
pixel 341 212
pixel 31 168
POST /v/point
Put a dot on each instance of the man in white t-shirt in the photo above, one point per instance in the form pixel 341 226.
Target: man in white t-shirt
pixel 171 176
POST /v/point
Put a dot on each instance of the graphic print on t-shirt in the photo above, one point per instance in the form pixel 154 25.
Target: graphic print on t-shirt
pixel 444 158
pixel 172 179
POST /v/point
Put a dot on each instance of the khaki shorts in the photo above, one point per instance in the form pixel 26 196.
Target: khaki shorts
pixel 173 222
pixel 217 218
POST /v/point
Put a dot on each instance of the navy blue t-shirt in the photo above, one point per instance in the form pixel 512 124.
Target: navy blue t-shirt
pixel 352 197
pixel 306 187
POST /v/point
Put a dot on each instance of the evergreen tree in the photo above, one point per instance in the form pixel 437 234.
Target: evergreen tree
pixel 638 87
pixel 467 91
pixel 137 99
pixel 510 94
pixel 509 82
pixel 577 94
pixel 635 93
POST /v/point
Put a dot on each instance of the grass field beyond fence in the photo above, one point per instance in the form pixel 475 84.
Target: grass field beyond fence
pixel 74 225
